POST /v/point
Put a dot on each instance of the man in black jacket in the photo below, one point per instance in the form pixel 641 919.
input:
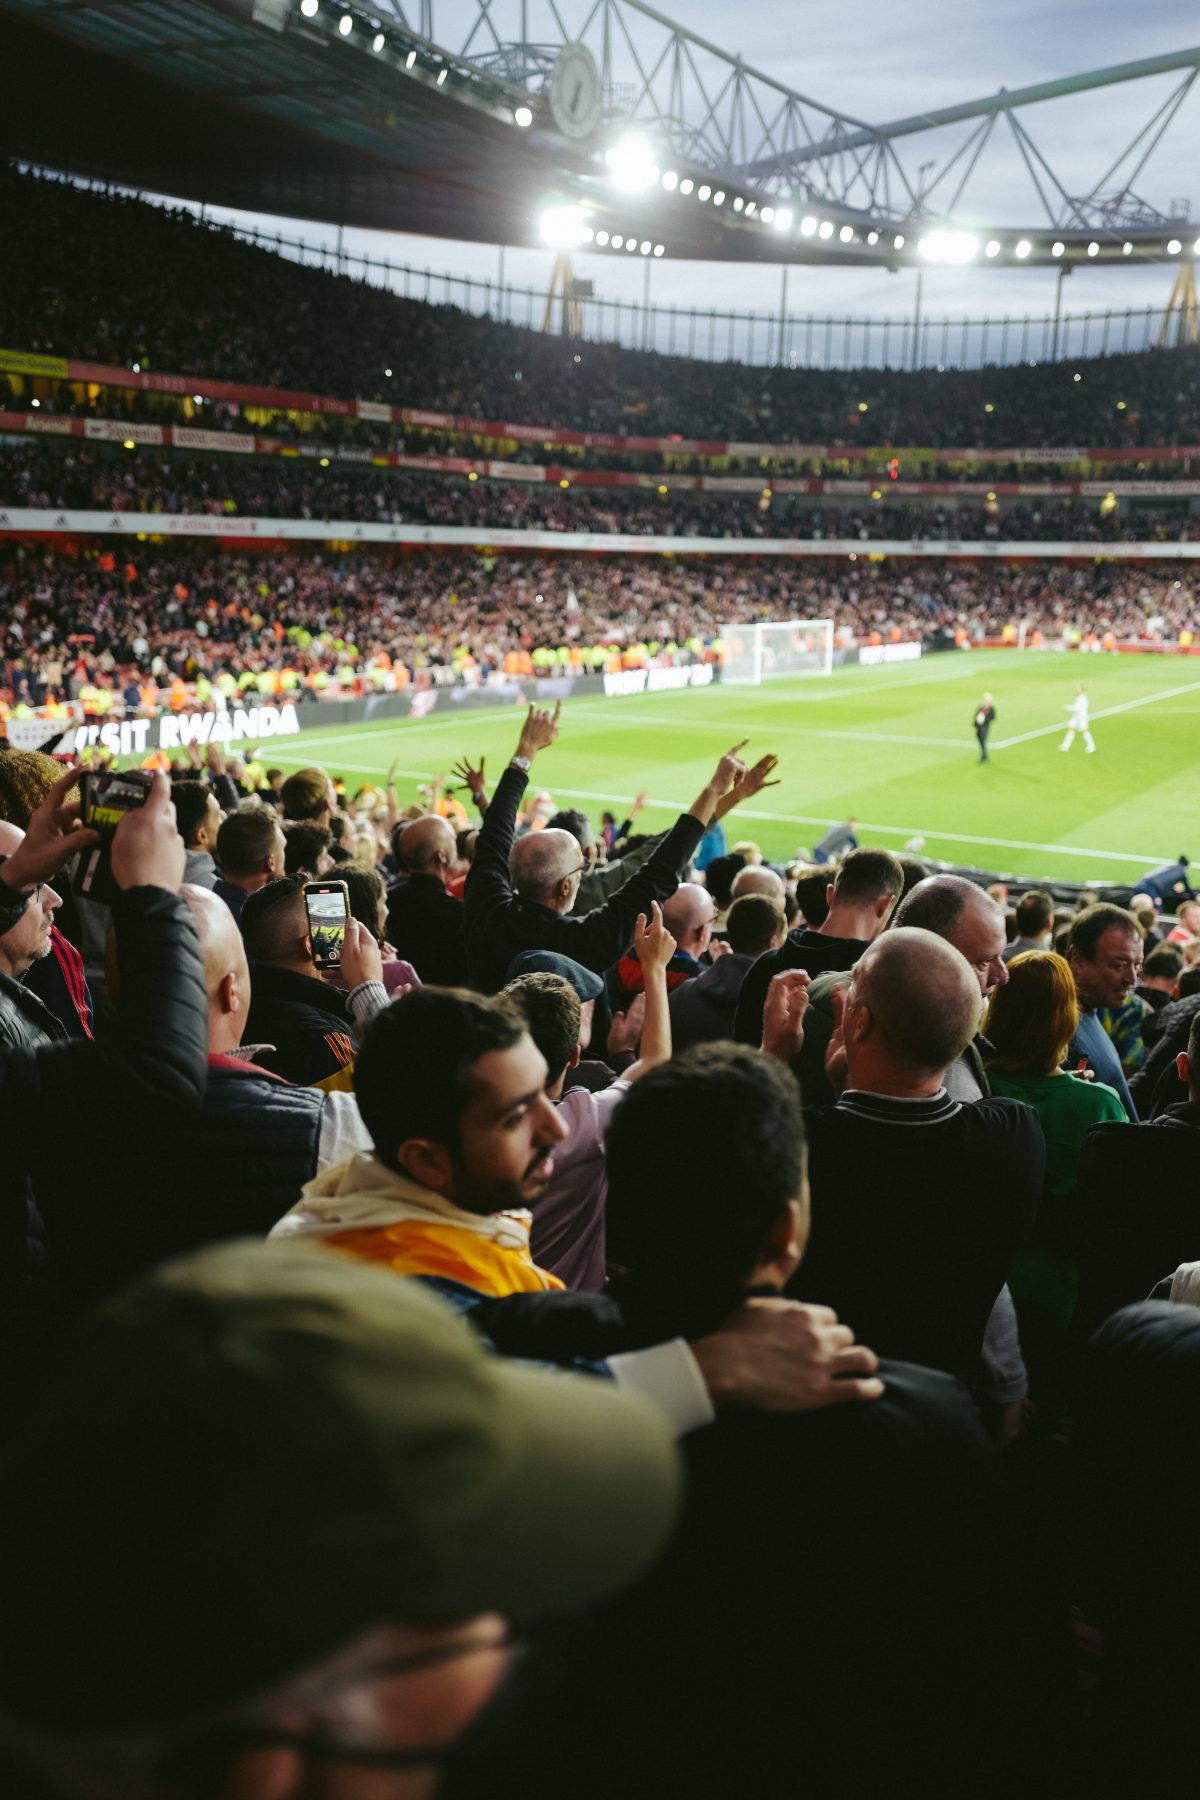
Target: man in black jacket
pixel 64 1103
pixel 309 1030
pixel 919 1202
pixel 425 922
pixel 518 895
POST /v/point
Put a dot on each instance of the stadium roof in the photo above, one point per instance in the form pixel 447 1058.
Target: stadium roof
pixel 345 111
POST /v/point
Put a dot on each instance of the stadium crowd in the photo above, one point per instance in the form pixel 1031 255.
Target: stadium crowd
pixel 111 478
pixel 117 280
pixel 114 619
pixel 628 1316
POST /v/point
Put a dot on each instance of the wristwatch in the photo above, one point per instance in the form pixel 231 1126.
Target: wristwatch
pixel 519 762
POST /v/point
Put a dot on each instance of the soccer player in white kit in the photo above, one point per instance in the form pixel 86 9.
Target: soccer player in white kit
pixel 1078 709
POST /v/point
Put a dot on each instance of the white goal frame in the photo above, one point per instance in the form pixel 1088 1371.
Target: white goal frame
pixel 757 664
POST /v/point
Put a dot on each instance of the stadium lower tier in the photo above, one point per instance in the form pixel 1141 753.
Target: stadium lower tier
pixel 104 614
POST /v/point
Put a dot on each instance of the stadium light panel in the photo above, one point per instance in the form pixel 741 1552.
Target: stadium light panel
pixel 825 228
pixel 738 203
pixel 345 24
pixel 378 41
pixel 949 246
pixel 1127 249
pixel 1093 249
pixel 645 246
pixel 309 8
pixel 686 185
pixel 704 193
pixel 783 219
pixel 898 242
pixel 719 197
pixel 670 181
pixel 410 59
pixel 523 117
pixel 561 227
pixel 992 247
pixel 387 371
pixel 751 209
pixel 659 249
pixel 442 74
pixel 631 244
pixel 1057 248
pixel 1174 247
pixel 846 234
pixel 807 225
pixel 587 234
pixel 872 237
pixel 1023 249
pixel 631 164
pixel 768 213
pixel 602 238
pixel 616 240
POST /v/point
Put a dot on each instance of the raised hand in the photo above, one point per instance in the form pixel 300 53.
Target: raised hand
pixel 470 776
pixel 731 769
pixel 783 1014
pixel 626 1029
pixel 539 730
pixel 652 941
pixel 752 781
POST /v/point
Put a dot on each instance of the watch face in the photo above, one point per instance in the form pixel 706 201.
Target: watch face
pixel 575 93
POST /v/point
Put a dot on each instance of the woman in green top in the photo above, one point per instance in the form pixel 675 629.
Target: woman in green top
pixel 1030 1022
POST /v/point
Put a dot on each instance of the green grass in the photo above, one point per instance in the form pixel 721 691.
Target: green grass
pixel 891 746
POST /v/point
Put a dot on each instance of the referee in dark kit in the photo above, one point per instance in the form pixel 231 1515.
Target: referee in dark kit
pixel 984 719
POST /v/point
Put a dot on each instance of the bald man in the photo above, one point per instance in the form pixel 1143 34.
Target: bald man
pixel 758 880
pixel 425 921
pixel 262 1140
pixel 919 1202
pixel 689 915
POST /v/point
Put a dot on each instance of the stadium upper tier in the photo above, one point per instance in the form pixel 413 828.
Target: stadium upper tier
pixel 87 476
pixel 117 281
pixel 328 622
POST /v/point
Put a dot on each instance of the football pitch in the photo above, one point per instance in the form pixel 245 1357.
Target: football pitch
pixel 891 746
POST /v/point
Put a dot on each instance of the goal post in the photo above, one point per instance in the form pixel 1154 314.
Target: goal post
pixel 768 652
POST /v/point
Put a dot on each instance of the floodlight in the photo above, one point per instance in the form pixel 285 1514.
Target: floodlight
pixel 872 237
pixel 602 238
pixel 719 197
pixel 197 399
pixel 616 240
pixel 1126 249
pixel 631 243
pixel 670 181
pixel 825 228
pixel 523 117
pixel 686 185
pixel 991 248
pixel 410 59
pixel 387 371
pixel 751 209
pixel 309 8
pixel 1093 249
pixel 1023 249
pixel 768 213
pixel 898 242
pixel 129 444
pixel 35 402
pixel 738 203
pixel 442 74
pixel 587 234
pixel 645 246
pixel 1057 248
pixel 846 234
pixel 1174 247
pixel 949 246
pixel 561 227
pixel 378 41
pixel 783 219
pixel 807 225
pixel 659 249
pixel 345 24
pixel 704 192
pixel 631 163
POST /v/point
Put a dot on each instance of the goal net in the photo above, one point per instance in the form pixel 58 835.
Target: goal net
pixel 756 653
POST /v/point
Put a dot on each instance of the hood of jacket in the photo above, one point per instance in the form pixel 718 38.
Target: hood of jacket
pixel 361 1194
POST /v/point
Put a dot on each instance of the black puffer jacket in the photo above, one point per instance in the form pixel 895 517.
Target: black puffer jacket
pixel 70 1110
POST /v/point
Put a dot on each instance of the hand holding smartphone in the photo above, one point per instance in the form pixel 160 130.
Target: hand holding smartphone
pixel 327 904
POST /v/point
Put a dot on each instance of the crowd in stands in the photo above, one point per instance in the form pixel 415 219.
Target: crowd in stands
pixel 108 478
pixel 117 280
pixel 636 1318
pixel 125 615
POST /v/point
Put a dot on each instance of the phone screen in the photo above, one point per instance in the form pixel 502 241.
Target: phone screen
pixel 328 904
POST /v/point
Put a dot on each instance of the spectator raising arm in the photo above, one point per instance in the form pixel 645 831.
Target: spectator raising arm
pixel 473 779
pixel 655 947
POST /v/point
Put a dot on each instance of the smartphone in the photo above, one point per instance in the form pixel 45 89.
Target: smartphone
pixel 328 906
pixel 106 795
